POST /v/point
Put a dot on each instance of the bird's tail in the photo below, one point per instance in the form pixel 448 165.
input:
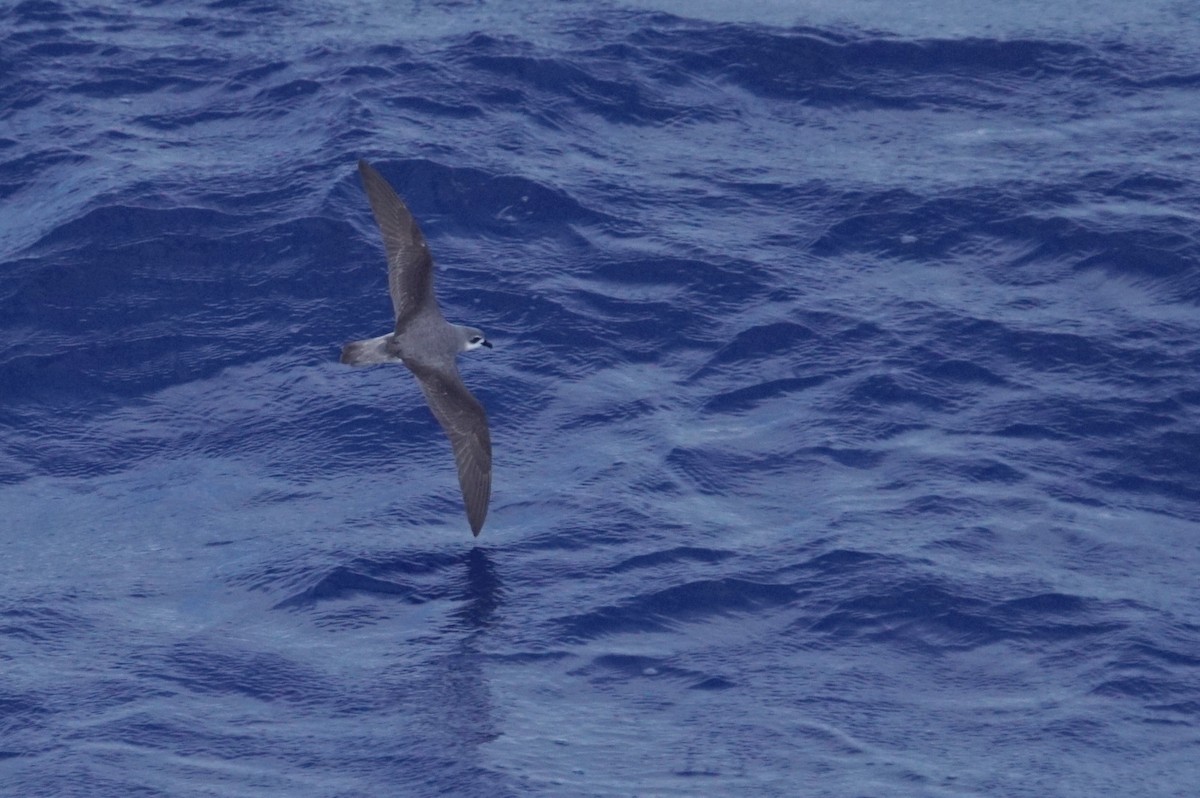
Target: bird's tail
pixel 371 350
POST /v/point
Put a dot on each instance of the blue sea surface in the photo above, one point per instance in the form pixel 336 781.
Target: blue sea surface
pixel 845 400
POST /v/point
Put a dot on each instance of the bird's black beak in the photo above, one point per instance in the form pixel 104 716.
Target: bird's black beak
pixel 486 343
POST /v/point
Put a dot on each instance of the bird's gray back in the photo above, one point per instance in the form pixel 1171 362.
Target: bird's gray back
pixel 428 339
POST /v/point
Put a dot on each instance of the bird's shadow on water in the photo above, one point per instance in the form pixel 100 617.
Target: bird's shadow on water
pixel 463 591
pixel 481 592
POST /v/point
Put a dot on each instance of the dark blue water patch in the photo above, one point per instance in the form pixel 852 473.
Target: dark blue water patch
pixel 565 335
pixel 503 205
pixel 878 391
pixel 903 225
pixel 906 614
pixel 1121 448
pixel 773 360
pixel 1167 651
pixel 1165 257
pixel 1056 617
pixel 40 624
pixel 39 11
pixel 219 22
pixel 923 377
pixel 1126 481
pixel 614 100
pixel 470 578
pixel 17 173
pixel 619 669
pixel 287 96
pixel 183 736
pixel 764 341
pixel 995 342
pixel 426 107
pixel 176 121
pixel 721 283
pixel 742 399
pixel 1069 418
pixel 817 346
pixel 661 610
pixel 622 665
pixel 206 667
pixel 938 617
pixel 714 683
pixel 713 471
pixel 1145 184
pixel 968 540
pixel 343 582
pixel 606 621
pixel 1155 666
pixel 82 780
pixel 1164 450
pixel 864 459
pixel 255 7
pixel 257 73
pixel 961 372
pixel 681 555
pixel 838 562
pixel 128 226
pixel 63 49
pixel 616 413
pixel 986 470
pixel 183 76
pixel 925 505
pixel 27 712
pixel 397 57
pixel 635 332
pixel 1029 430
pixel 1163 247
pixel 165 300
pixel 709 598
pixel 275 496
pixel 822 68
pixel 560 90
pixel 1139 688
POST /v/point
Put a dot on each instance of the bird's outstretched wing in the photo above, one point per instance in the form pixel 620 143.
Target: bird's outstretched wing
pixel 410 266
pixel 465 422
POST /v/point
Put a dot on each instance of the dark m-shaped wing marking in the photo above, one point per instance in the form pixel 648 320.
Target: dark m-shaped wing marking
pixel 410 266
pixel 465 422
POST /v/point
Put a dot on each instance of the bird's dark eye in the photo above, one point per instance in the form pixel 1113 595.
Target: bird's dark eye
pixel 476 339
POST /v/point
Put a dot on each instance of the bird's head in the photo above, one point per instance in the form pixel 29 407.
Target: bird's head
pixel 473 339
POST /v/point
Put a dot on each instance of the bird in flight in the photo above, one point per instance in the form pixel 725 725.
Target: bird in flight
pixel 428 344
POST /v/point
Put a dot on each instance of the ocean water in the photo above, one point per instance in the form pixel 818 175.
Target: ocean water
pixel 845 400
